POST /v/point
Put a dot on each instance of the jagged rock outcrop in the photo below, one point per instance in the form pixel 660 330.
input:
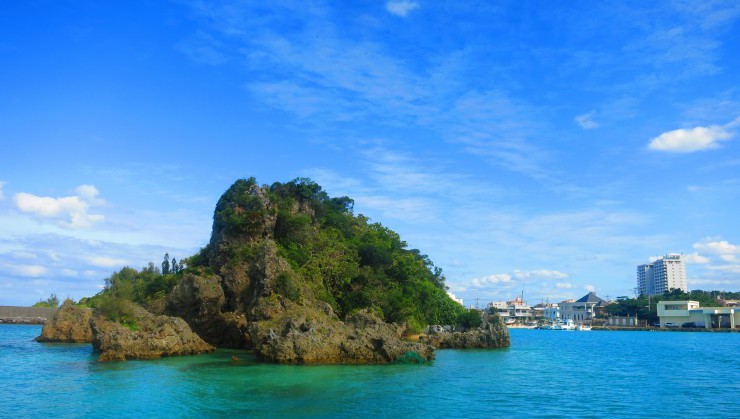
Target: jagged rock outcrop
pixel 199 301
pixel 492 333
pixel 320 338
pixel 287 323
pixel 146 336
pixel 70 324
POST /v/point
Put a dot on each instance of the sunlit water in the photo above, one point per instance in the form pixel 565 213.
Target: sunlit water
pixel 543 374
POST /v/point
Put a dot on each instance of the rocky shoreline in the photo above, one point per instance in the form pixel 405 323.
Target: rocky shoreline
pixel 22 320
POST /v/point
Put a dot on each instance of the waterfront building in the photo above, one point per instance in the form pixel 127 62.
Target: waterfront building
pixel 515 310
pixel 552 312
pixel 662 275
pixel 622 321
pixel 677 313
pixel 582 310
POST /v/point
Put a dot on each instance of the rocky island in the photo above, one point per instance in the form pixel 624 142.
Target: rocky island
pixel 290 273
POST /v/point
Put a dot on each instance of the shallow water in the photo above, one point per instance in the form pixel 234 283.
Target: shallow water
pixel 544 374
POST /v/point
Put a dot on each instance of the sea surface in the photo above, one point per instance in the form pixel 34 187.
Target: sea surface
pixel 544 374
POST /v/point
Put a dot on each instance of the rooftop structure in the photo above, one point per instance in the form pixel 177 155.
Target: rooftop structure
pixel 662 275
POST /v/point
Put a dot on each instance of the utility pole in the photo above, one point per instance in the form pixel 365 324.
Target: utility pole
pixel 476 303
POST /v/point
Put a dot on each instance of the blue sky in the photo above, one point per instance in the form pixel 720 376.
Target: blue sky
pixel 544 146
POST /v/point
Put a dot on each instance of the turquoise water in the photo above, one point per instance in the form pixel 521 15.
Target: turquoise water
pixel 544 374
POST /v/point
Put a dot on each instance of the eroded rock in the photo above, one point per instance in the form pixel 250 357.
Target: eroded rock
pixel 145 336
pixel 70 324
pixel 492 333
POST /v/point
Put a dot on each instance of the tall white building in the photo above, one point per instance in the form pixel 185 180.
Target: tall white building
pixel 662 275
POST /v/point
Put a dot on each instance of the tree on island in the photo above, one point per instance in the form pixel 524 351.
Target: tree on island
pixel 52 301
pixel 166 264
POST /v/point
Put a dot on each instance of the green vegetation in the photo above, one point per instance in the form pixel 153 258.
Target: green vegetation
pixel 147 287
pixel 344 259
pixel 339 257
pixel 646 307
pixel 52 301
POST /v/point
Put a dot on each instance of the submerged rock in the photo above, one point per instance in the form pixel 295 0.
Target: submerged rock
pixel 145 336
pixel 492 333
pixel 70 324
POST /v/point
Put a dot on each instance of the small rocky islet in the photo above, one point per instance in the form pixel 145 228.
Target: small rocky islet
pixel 291 274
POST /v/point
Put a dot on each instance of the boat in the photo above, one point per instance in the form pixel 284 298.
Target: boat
pixel 583 328
pixel 509 321
pixel 566 324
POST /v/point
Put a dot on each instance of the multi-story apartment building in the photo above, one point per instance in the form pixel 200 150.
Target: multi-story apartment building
pixel 662 275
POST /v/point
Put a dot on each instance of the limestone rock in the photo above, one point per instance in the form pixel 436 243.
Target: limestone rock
pixel 70 324
pixel 199 301
pixel 148 337
pixel 315 337
pixel 492 333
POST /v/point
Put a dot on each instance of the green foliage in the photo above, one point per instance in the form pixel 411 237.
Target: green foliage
pixel 469 319
pixel 166 264
pixel 129 284
pixel 52 301
pixel 286 286
pixel 349 262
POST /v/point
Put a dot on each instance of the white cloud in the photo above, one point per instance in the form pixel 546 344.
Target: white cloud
pixel 690 140
pixel 540 273
pixel 2 196
pixel 696 259
pixel 564 285
pixel 69 272
pixel 490 280
pixel 401 7
pixel 586 120
pixel 106 262
pixel 590 288
pixel 722 247
pixel 726 268
pixel 31 271
pixel 89 194
pixel 69 211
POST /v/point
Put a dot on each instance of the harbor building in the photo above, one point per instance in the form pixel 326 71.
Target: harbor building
pixel 678 313
pixel 662 275
pixel 514 311
pixel 582 310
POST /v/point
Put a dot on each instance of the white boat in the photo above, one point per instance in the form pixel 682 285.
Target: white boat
pixel 509 321
pixel 566 324
pixel 583 328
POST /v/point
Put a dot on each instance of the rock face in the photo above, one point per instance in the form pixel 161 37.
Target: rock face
pixel 148 337
pixel 70 324
pixel 492 333
pixel 256 300
pixel 361 339
pixel 199 300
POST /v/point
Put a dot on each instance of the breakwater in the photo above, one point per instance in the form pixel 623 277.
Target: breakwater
pixel 657 329
pixel 26 315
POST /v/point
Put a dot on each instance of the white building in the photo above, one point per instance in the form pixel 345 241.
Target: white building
pixel 662 275
pixel 515 310
pixel 582 310
pixel 679 312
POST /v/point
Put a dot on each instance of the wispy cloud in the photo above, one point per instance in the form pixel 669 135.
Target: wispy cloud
pixel 586 120
pixel 2 196
pixel 401 7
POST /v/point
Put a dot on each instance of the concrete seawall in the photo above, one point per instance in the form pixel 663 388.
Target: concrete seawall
pixel 26 315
